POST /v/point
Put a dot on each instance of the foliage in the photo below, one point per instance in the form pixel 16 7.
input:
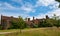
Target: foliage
pixel 35 26
pixel 57 24
pixel 14 24
pixel 21 22
pixel 0 27
pixel 56 21
pixel 18 24
pixel 59 2
pixel 46 23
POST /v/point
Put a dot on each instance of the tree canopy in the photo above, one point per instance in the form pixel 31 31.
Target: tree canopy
pixel 59 2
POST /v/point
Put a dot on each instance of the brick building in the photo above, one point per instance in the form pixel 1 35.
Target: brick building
pixel 6 21
pixel 35 21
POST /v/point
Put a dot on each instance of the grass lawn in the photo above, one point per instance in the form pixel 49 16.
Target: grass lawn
pixel 36 32
pixel 11 30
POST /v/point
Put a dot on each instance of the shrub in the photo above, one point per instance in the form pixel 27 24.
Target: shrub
pixel 0 27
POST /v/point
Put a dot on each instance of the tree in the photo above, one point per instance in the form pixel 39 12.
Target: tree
pixel 49 22
pixel 18 23
pixel 14 24
pixel 21 23
pixel 59 2
pixel 56 21
pixel 46 23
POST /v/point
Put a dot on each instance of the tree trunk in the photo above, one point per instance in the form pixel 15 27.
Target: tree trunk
pixel 20 31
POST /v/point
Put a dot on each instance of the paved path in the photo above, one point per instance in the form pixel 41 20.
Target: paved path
pixel 5 32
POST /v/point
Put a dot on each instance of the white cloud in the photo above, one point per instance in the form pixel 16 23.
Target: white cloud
pixel 54 5
pixel 6 5
pixel 9 5
pixel 45 2
pixel 57 12
pixel 28 7
pixel 50 14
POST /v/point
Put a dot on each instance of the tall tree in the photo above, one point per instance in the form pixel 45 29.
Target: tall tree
pixel 56 21
pixel 18 23
pixel 21 23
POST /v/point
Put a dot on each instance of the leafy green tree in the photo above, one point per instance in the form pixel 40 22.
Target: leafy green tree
pixel 18 23
pixel 14 24
pixel 47 23
pixel 21 23
pixel 0 27
pixel 56 21
pixel 35 25
pixel 58 24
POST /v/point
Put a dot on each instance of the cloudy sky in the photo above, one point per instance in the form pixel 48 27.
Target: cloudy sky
pixel 29 8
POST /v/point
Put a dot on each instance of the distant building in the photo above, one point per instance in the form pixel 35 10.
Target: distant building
pixel 35 21
pixel 6 21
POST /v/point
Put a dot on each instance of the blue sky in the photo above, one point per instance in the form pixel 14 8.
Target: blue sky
pixel 29 8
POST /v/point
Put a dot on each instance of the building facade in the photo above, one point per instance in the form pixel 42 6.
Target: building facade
pixel 6 21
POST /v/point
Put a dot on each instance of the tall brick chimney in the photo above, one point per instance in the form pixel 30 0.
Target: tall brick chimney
pixel 28 19
pixel 33 18
pixel 11 16
pixel 47 17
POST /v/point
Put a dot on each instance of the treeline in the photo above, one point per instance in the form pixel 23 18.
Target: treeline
pixel 51 22
pixel 21 24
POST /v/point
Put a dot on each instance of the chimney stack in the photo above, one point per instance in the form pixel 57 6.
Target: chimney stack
pixel 11 16
pixel 28 19
pixel 47 17
pixel 33 18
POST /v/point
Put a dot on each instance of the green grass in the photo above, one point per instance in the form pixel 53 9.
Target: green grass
pixel 11 30
pixel 37 32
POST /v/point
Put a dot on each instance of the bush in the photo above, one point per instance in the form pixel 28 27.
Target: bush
pixel 45 24
pixel 35 26
pixel 0 27
pixel 57 25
